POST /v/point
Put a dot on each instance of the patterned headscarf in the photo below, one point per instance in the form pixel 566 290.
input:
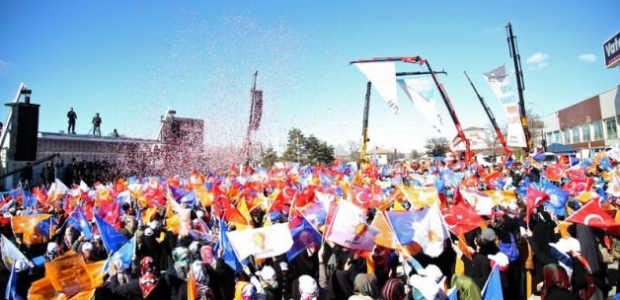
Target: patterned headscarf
pixel 148 276
pixel 181 257
pixel 244 291
pixel 394 289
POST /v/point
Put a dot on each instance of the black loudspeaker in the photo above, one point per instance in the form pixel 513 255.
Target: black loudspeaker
pixel 27 132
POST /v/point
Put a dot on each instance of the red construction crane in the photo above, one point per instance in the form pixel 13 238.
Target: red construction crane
pixel 444 95
pixel 498 132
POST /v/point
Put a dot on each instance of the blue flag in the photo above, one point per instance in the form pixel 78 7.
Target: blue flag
pixel 522 190
pixel 557 197
pixel 493 288
pixel 228 255
pixel 403 223
pixel 124 254
pixel 303 235
pixel 78 220
pixel 29 200
pixel 44 226
pixel 454 295
pixel 539 156
pixel 11 287
pixel 112 239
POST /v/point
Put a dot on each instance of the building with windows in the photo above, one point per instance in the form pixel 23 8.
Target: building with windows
pixel 590 124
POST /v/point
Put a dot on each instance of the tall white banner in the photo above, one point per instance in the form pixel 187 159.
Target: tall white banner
pixel 420 91
pixel 382 75
pixel 499 81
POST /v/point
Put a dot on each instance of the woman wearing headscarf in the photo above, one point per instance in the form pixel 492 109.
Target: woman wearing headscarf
pixel 308 289
pixel 587 237
pixel 151 247
pixel 365 287
pixel 556 284
pixel 465 288
pixel 394 289
pixel 543 233
pixel 481 266
pixel 177 275
pixel 201 288
pixel 249 290
pixel 147 286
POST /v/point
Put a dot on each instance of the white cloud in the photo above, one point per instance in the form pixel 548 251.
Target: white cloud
pixel 587 57
pixel 4 68
pixel 494 29
pixel 538 60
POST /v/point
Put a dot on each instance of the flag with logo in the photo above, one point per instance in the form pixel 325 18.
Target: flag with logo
pixel 499 81
pixel 304 235
pixel 26 225
pixel 593 215
pixel 349 228
pixel 461 218
pixel 11 254
pixel 426 227
pixel 261 242
pixel 382 75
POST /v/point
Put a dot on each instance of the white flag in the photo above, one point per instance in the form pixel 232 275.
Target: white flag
pixel 499 81
pixel 261 242
pixel 431 231
pixel 349 228
pixel 11 255
pixel 382 75
pixel 415 88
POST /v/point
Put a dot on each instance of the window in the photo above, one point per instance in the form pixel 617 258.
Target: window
pixel 585 132
pixel 598 130
pixel 567 136
pixel 610 127
pixel 549 137
pixel 557 138
pixel 576 136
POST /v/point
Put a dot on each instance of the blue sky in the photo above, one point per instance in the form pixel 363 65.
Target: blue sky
pixel 131 60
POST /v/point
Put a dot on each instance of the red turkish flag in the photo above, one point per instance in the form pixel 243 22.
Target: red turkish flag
pixel 593 215
pixel 492 178
pixel 554 173
pixel 576 174
pixel 533 198
pixel 461 218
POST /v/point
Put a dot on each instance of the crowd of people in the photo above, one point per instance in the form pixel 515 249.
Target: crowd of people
pixel 524 245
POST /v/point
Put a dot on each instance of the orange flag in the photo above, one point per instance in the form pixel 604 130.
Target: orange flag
pixel 41 289
pixel 26 225
pixel 69 274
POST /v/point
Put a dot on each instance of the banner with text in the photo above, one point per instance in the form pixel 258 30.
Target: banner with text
pixel 499 82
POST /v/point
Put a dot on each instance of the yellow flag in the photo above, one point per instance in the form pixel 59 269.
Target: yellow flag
pixel 398 206
pixel 205 197
pixel 563 229
pixel 420 197
pixel 242 206
pixel 501 197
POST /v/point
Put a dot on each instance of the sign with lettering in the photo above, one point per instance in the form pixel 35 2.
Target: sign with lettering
pixel 611 50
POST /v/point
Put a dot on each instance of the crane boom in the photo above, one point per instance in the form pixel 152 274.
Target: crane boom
pixel 442 92
pixel 498 132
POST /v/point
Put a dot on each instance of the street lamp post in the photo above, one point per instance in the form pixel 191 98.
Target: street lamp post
pixel 542 119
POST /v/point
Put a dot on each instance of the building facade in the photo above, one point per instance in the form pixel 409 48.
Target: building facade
pixel 178 148
pixel 590 124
